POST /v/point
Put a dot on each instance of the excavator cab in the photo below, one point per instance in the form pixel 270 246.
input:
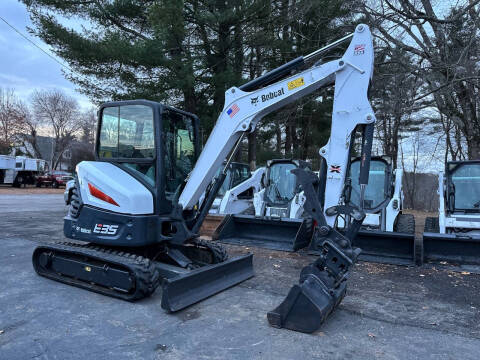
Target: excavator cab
pixel 156 144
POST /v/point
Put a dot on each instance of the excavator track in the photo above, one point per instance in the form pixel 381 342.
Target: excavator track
pixel 103 270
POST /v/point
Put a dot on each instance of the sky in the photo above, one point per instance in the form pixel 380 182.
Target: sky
pixel 25 68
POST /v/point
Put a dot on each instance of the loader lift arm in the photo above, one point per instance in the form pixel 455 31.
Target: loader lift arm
pixel 323 283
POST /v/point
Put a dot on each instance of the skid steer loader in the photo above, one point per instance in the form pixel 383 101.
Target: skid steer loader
pixel 454 236
pixel 237 192
pixel 277 222
pixel 387 234
pixel 137 205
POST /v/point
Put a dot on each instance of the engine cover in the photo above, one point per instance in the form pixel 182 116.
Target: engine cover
pixel 131 195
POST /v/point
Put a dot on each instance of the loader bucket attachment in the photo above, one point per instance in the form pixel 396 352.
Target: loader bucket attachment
pixel 453 248
pixel 272 233
pixel 388 247
pixel 384 247
pixel 189 288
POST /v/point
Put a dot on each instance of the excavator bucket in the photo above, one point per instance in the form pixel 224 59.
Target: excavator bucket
pixel 319 292
pixel 283 234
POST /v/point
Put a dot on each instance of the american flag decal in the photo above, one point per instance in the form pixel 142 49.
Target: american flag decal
pixel 233 110
pixel 335 169
pixel 359 49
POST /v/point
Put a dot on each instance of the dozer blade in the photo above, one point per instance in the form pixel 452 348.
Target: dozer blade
pixel 187 289
pixel 458 249
pixel 283 234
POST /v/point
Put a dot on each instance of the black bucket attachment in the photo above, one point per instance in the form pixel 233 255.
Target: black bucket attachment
pixel 461 249
pixel 186 289
pixel 320 291
pixel 388 247
pixel 272 233
pixel 384 247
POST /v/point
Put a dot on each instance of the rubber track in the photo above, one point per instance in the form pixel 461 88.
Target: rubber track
pixel 218 252
pixel 147 277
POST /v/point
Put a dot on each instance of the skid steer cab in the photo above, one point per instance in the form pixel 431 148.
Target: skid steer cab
pixel 454 236
pixel 387 234
pixel 278 222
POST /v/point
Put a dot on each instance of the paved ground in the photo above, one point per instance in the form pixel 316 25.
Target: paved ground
pixel 389 313
pixel 29 189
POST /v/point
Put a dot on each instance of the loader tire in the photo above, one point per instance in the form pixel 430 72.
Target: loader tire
pixel 431 225
pixel 405 224
pixel 75 203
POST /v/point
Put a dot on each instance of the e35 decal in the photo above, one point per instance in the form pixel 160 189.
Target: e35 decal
pixel 105 229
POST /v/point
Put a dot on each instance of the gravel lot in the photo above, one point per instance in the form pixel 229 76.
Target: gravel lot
pixel 390 312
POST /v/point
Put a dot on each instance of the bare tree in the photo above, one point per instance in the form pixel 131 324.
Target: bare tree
pixel 60 115
pixel 88 121
pixel 11 116
pixel 445 52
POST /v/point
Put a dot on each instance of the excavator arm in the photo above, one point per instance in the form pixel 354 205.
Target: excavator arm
pixel 322 284
pixel 247 105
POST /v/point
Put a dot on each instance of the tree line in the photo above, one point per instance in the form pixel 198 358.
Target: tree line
pixel 186 53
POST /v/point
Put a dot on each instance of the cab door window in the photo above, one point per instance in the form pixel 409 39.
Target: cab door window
pixel 179 149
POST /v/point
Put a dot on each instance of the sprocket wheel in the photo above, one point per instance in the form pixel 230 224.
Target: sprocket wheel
pixel 217 252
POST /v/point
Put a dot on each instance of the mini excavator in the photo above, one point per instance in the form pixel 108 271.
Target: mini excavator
pixel 135 210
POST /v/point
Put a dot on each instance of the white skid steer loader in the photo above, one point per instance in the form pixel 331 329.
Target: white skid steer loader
pixel 237 191
pixel 278 223
pixel 387 234
pixel 454 236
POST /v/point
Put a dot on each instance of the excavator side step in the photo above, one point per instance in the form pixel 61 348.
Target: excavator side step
pixel 271 233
